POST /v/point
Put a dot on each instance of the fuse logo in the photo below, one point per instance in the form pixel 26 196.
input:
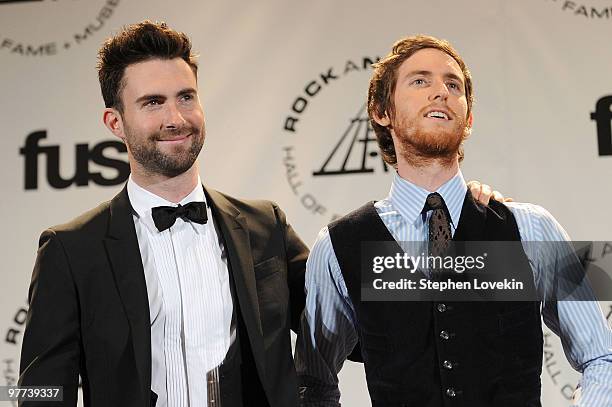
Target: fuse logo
pixel 603 120
pixel 83 156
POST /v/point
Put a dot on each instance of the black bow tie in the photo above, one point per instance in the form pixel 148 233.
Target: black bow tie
pixel 165 216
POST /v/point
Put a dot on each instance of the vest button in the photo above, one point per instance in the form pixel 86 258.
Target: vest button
pixel 441 307
pixel 444 335
pixel 450 392
pixel 448 365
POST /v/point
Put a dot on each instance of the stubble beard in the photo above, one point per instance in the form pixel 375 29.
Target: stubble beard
pixel 171 163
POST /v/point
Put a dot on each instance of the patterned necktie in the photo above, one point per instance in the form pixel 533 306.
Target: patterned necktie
pixel 439 224
pixel 165 216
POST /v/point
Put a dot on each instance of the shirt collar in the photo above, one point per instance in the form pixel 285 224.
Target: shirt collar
pixel 144 201
pixel 409 199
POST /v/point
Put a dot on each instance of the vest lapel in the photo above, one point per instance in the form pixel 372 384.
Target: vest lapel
pixel 472 222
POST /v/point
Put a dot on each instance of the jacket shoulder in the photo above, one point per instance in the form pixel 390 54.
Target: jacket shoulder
pixel 91 224
pixel 249 207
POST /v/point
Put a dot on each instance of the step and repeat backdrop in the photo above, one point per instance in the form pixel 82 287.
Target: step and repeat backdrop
pixel 283 85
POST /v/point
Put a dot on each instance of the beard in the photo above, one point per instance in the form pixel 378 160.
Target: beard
pixel 147 152
pixel 419 145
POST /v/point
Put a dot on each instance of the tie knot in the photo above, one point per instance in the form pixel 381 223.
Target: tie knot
pixel 433 201
pixel 182 210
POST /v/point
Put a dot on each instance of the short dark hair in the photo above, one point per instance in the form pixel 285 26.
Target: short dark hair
pixel 137 43
pixel 384 79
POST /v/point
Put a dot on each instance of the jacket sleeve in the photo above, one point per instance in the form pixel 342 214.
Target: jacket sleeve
pixel 50 353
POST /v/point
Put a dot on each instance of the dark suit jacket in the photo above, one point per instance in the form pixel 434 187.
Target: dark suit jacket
pixel 89 310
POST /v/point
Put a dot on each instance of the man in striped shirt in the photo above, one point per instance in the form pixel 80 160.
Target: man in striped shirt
pixel 434 353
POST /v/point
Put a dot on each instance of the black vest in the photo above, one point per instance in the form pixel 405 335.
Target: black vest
pixel 428 354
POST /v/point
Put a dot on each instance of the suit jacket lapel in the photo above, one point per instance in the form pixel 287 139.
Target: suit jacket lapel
pixel 124 255
pixel 235 232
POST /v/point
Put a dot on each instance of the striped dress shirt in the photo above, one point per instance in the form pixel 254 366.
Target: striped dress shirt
pixel 584 331
pixel 189 295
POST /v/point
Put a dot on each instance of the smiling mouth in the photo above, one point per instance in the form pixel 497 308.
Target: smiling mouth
pixel 174 140
pixel 437 115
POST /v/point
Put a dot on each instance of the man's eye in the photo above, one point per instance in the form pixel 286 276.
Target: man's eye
pixel 187 97
pixel 152 102
pixel 454 86
pixel 418 82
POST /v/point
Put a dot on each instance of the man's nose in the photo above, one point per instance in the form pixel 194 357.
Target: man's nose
pixel 439 91
pixel 174 118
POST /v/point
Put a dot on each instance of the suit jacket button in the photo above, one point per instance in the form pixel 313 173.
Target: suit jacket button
pixel 447 364
pixel 441 307
pixel 450 392
pixel 444 335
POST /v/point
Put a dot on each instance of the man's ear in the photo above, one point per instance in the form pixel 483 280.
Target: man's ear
pixel 470 122
pixel 382 120
pixel 113 121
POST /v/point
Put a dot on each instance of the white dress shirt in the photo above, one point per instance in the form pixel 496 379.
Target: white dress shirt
pixel 189 296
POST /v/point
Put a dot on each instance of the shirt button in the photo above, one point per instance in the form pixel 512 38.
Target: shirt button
pixel 444 335
pixel 441 307
pixel 448 365
pixel 450 392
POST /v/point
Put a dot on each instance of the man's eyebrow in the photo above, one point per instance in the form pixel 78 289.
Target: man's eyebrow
pixel 187 91
pixel 145 98
pixel 418 72
pixel 451 75
pixel 154 96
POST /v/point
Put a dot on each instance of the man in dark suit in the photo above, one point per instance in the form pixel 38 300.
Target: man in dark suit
pixel 170 294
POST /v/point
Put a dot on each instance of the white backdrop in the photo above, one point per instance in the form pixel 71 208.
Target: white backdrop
pixel 539 68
